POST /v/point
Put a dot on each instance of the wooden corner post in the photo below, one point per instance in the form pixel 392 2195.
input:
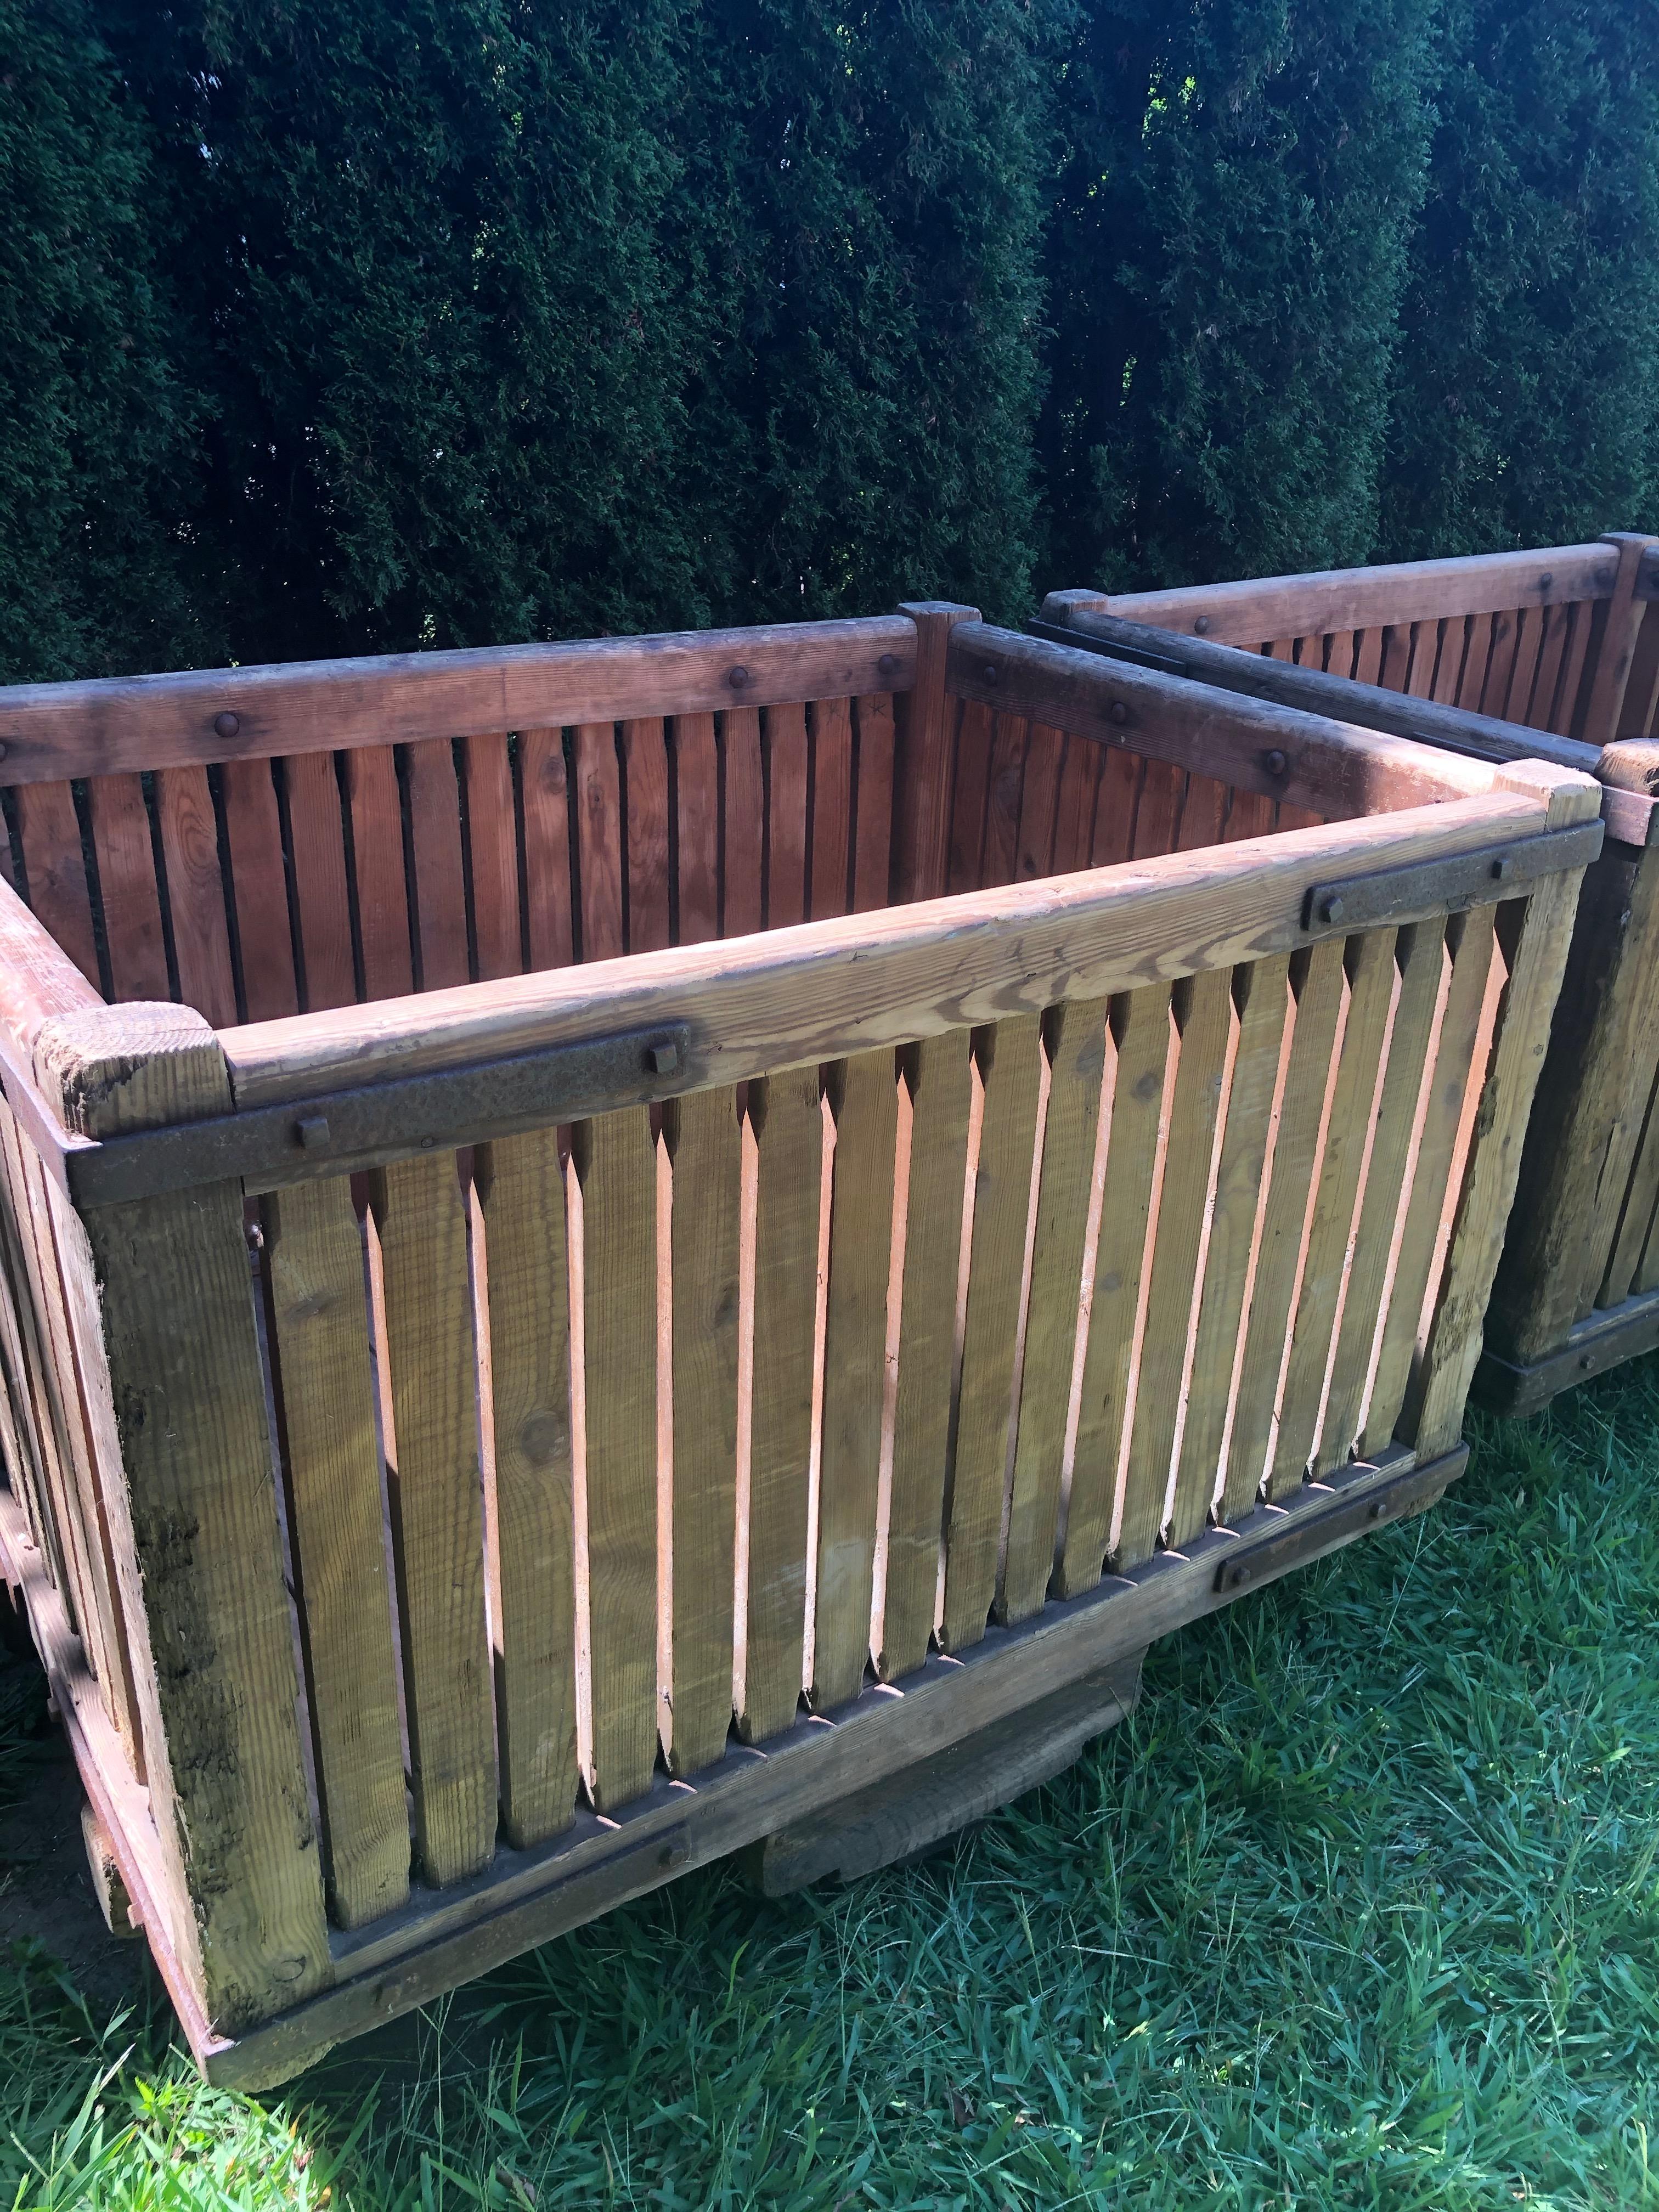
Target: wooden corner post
pixel 1604 699
pixel 192 1510
pixel 921 841
pixel 1535 934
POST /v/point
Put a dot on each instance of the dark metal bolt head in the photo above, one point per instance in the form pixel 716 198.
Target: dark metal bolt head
pixel 1274 761
pixel 1546 579
pixel 1500 869
pixel 1584 1364
pixel 990 672
pixel 737 677
pixel 887 664
pixel 311 1130
pixel 1239 1576
pixel 663 1058
pixel 1120 712
pixel 1330 909
pixel 1202 625
pixel 226 725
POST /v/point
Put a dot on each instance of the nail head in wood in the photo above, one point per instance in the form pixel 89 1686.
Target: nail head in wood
pixel 226 725
pixel 738 677
pixel 1274 760
pixel 1120 712
pixel 1202 625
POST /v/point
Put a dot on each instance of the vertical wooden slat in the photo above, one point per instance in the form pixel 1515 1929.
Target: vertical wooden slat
pixel 127 887
pixel 544 794
pixel 599 841
pixel 1605 703
pixel 1261 993
pixel 1425 653
pixel 1318 1006
pixel 377 853
pixel 1039 800
pixel 830 723
pixel 43 1407
pixel 437 1512
pixel 922 769
pixel 1011 736
pixel 788 1121
pixel 971 790
pixel 1397 657
pixel 1339 653
pixel 1477 658
pixel 1506 642
pixel 743 854
pixel 520 1183
pixel 196 893
pixel 316 838
pixel 936 1075
pixel 1075 1039
pixel 17 1333
pixel 314 1253
pixel 1249 814
pixel 1370 984
pixel 785 742
pixel 1080 784
pixel 492 847
pixel 1157 818
pixel 435 823
pixel 1140 1028
pixel 1572 671
pixel 705 1146
pixel 1203 1013
pixel 863 1099
pixel 616 1164
pixel 697 827
pixel 1008 1063
pixel 1454 647
pixel 873 840
pixel 1203 812
pixel 1367 655
pixel 1119 800
pixel 1527 649
pixel 196 1535
pixel 265 940
pixel 1460 1029
pixel 645 757
pixel 1546 680
pixel 1420 954
pixel 57 871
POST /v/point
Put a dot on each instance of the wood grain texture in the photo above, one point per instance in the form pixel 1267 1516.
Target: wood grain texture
pixel 1039 803
pixel 314 1259
pixel 265 939
pixel 1261 993
pixel 697 826
pixel 196 893
pixel 615 1161
pixel 1295 1160
pixel 434 834
pixel 434 1487
pixel 1141 1031
pixel 1121 776
pixel 970 792
pixel 321 899
pixel 936 1075
pixel 921 776
pixel 1007 1057
pixel 1203 1013
pixel 743 852
pixel 1011 736
pixel 786 766
pixel 544 802
pixel 492 852
pixel 1157 815
pixel 704 1141
pixel 1420 956
pixel 1080 786
pixel 56 872
pixel 127 888
pixel 599 852
pixel 863 1094
pixel 645 762
pixel 1460 1029
pixel 829 728
pixel 873 840
pixel 1370 984
pixel 520 1183
pixel 377 857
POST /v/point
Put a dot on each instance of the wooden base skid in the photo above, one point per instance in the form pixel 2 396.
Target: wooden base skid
pixel 1606 1339
pixel 874 1779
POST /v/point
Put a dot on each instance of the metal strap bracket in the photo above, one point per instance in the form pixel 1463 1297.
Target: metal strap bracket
pixel 1437 887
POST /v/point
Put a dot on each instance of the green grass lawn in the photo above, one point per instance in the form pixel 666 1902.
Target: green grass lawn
pixel 1361 1908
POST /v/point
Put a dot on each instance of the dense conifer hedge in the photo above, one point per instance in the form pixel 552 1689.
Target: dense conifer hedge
pixel 361 324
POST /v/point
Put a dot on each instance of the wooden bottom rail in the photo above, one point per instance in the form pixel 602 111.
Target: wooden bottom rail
pixel 1605 1341
pixel 441 1939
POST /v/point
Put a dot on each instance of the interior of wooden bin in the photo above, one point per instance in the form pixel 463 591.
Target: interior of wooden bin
pixel 258 888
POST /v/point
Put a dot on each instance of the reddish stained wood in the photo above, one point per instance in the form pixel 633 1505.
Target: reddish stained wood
pixel 1157 818
pixel 1079 786
pixel 544 795
pixel 645 756
pixel 376 850
pixel 492 841
pixel 1249 814
pixel 697 824
pixel 1202 814
pixel 598 840
pixel 1454 650
pixel 785 741
pixel 1495 695
pixel 1116 806
pixel 265 940
pixel 742 865
pixel 1039 801
pixel 317 844
pixel 1012 734
pixel 126 883
pixel 873 840
pixel 435 823
pixel 830 723
pixel 196 893
pixel 57 872
pixel 1477 658
pixel 972 785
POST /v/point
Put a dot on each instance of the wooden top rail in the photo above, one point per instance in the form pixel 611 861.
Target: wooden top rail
pixel 52 730
pixel 1647 574
pixel 1313 760
pixel 1253 611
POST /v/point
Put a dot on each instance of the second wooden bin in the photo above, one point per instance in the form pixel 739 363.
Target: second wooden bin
pixel 617 1251
pixel 1553 654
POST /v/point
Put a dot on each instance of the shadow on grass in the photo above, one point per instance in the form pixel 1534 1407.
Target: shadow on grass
pixel 1360 1909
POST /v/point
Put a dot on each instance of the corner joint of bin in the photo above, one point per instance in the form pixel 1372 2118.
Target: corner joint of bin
pixel 105 1070
pixel 1567 796
pixel 1060 606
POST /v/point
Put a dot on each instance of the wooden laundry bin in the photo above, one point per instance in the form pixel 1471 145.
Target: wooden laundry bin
pixel 676 1244
pixel 1552 655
